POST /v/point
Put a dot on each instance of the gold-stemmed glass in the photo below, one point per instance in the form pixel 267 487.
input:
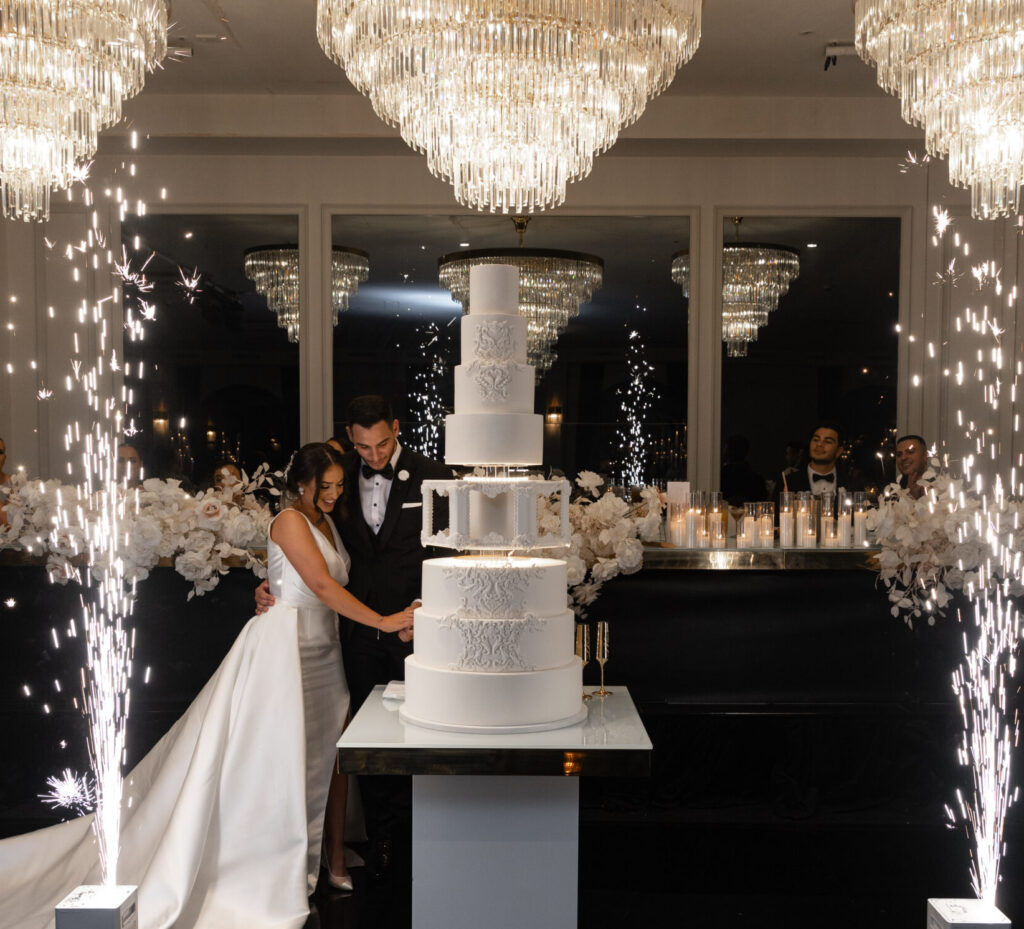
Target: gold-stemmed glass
pixel 583 647
pixel 602 655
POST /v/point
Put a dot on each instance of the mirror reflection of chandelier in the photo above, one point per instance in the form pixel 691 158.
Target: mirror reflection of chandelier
pixel 958 69
pixel 274 271
pixel 65 69
pixel 553 284
pixel 509 100
pixel 754 278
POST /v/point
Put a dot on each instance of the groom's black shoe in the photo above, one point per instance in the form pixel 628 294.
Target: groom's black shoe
pixel 379 859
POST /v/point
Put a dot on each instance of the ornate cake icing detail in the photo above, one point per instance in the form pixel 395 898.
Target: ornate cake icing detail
pixel 490 644
pixel 492 380
pixel 495 341
pixel 492 591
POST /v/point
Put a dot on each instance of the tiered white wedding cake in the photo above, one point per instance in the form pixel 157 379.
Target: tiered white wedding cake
pixel 494 642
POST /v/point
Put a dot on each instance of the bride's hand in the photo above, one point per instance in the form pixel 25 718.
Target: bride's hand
pixel 396 622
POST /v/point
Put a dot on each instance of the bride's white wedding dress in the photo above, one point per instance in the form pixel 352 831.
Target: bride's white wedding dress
pixel 222 820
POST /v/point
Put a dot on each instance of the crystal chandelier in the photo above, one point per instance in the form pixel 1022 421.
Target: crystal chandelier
pixel 958 68
pixel 65 69
pixel 509 99
pixel 553 284
pixel 754 277
pixel 274 271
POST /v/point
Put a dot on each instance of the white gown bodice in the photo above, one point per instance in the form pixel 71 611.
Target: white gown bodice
pixel 316 621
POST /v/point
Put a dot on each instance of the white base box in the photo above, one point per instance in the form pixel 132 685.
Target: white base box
pixel 964 914
pixel 94 906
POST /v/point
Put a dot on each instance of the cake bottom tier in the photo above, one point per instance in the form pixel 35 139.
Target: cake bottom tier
pixel 481 701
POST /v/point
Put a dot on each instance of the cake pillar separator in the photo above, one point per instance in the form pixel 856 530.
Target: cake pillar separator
pixel 428 515
pixel 458 502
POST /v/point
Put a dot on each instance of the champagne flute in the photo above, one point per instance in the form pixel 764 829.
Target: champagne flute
pixel 583 647
pixel 602 655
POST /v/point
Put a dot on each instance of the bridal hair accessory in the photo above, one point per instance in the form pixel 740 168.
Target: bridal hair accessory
pixel 403 475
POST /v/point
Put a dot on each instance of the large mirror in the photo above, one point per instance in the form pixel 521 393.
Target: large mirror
pixel 612 381
pixel 220 376
pixel 828 351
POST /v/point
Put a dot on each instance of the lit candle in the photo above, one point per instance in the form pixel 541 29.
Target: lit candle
pixel 844 530
pixel 677 524
pixel 860 528
pixel 786 527
pixel 716 520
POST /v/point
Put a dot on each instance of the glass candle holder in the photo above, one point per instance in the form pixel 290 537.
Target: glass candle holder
pixel 844 520
pixel 749 527
pixel 827 530
pixel 716 520
pixel 695 520
pixel 766 527
pixel 787 501
pixel 860 519
pixel 806 520
pixel 676 524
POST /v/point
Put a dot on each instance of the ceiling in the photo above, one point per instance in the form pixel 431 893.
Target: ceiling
pixel 748 47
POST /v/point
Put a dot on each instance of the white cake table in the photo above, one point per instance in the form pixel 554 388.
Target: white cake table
pixel 495 819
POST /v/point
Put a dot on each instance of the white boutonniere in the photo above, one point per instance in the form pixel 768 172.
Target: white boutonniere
pixel 403 475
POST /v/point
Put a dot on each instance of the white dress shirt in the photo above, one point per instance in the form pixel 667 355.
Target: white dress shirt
pixel 820 487
pixel 374 492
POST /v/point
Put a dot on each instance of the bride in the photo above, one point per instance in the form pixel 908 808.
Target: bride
pixel 223 820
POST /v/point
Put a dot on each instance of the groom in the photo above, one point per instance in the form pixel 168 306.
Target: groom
pixel 380 527
pixel 381 532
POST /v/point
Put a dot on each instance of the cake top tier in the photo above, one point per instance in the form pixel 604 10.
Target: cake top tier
pixel 494 290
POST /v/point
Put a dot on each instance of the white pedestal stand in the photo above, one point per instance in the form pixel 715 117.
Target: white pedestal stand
pixel 495 818
pixel 507 847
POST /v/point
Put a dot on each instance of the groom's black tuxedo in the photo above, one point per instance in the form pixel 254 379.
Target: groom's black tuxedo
pixel 387 567
pixel 386 575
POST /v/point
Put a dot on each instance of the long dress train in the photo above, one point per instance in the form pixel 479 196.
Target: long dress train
pixel 222 820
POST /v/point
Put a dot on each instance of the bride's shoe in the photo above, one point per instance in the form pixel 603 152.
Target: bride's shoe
pixel 336 882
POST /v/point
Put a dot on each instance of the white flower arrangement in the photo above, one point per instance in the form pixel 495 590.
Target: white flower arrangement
pixel 201 533
pixel 607 536
pixel 947 540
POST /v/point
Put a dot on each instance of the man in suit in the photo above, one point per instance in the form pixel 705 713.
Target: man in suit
pixel 824 472
pixel 912 461
pixel 380 528
pixel 382 535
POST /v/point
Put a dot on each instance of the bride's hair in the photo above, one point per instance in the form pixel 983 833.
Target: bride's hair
pixel 309 464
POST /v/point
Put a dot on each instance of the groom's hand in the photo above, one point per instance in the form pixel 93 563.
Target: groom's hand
pixel 264 598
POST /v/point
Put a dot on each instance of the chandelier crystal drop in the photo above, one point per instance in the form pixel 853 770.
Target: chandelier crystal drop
pixel 553 284
pixel 509 99
pixel 274 271
pixel 754 278
pixel 65 69
pixel 958 69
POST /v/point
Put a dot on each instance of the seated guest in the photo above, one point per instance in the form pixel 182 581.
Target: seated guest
pixel 227 474
pixel 824 473
pixel 740 483
pixel 129 465
pixel 912 460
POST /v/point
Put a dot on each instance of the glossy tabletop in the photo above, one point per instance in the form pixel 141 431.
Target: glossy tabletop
pixel 610 742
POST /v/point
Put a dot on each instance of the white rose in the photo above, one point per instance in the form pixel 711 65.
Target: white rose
pixel 589 481
pixel 239 529
pixel 193 565
pixel 604 570
pixel 211 512
pixel 630 555
pixel 576 570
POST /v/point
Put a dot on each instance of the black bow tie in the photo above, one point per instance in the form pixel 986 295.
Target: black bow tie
pixel 830 477
pixel 387 472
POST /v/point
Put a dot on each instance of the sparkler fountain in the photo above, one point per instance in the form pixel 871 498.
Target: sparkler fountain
pixel 637 398
pixel 981 387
